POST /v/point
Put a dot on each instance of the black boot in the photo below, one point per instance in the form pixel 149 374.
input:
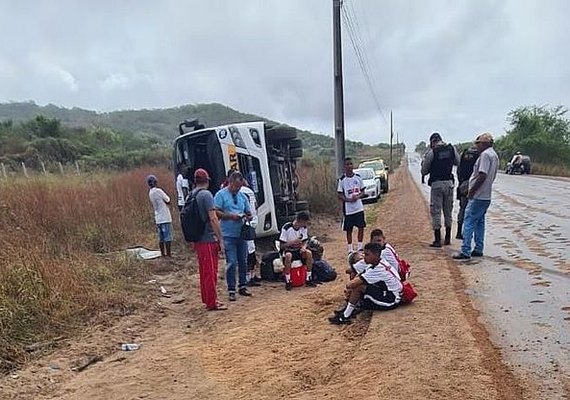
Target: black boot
pixel 437 238
pixel 459 231
pixel 447 240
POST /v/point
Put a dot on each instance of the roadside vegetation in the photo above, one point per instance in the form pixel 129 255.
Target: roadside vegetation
pixel 54 276
pixel 541 132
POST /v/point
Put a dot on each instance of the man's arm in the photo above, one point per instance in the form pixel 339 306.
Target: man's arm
pixel 426 162
pixel 216 227
pixel 165 197
pixel 481 176
pixel 457 159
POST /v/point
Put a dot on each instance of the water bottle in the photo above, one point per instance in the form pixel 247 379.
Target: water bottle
pixel 130 346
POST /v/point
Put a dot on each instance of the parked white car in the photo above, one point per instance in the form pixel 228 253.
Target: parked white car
pixel 373 187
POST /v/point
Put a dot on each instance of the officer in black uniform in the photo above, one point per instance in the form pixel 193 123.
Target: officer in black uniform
pixel 464 171
pixel 438 163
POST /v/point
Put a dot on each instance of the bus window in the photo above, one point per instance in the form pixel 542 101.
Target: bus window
pixel 250 167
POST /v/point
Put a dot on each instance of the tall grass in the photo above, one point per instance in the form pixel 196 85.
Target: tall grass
pixel 51 280
pixel 551 170
pixel 318 185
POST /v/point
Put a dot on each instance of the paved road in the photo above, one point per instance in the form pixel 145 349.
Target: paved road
pixel 522 285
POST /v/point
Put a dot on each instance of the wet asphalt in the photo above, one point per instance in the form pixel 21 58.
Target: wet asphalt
pixel 522 284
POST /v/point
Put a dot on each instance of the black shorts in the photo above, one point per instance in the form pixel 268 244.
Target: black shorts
pixel 251 261
pixel 378 297
pixel 353 220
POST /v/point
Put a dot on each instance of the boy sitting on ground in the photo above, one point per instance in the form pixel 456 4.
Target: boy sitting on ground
pixel 389 254
pixel 378 286
pixel 294 237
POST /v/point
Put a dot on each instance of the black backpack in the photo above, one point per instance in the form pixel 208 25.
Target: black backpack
pixel 323 271
pixel 190 219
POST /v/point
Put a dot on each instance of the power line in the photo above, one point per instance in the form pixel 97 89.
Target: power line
pixel 353 28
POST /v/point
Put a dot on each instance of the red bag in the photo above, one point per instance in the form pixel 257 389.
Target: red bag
pixel 408 293
pixel 404 266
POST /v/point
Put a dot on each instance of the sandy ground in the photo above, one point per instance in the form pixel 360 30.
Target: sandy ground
pixel 279 344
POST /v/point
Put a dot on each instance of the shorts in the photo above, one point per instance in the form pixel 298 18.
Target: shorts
pixel 378 297
pixel 353 220
pixel 164 232
pixel 251 261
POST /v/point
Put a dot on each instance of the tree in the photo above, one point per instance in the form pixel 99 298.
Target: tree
pixel 421 147
pixel 541 132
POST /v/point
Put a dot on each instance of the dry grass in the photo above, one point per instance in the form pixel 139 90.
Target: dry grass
pixel 318 185
pixel 51 280
pixel 550 170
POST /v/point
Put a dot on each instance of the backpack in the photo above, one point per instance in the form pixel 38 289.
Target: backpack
pixel 266 267
pixel 404 267
pixel 190 219
pixel 322 271
pixel 408 291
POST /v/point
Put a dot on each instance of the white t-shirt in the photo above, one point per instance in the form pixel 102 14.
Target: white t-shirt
pixel 289 233
pixel 181 182
pixel 350 186
pixel 253 206
pixel 390 256
pixel 159 200
pixel 381 272
pixel 488 163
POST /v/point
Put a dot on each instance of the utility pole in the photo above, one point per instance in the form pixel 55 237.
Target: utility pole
pixel 338 92
pixel 398 142
pixel 391 137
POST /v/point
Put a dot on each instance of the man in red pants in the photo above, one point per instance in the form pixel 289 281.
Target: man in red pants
pixel 210 243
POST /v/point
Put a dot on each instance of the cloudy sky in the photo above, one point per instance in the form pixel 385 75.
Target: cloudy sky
pixel 457 66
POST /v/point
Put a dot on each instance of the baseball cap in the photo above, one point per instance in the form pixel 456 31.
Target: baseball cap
pixel 435 136
pixel 151 179
pixel 484 138
pixel 201 175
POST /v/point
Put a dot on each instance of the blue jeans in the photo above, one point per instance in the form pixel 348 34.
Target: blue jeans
pixel 474 225
pixel 236 256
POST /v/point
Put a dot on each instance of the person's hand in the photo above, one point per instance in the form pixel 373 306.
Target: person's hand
pixel 235 217
pixel 221 248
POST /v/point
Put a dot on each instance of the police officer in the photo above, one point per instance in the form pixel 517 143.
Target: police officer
pixel 438 163
pixel 464 171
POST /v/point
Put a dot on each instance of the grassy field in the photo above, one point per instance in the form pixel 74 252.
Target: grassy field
pixel 52 277
pixel 550 170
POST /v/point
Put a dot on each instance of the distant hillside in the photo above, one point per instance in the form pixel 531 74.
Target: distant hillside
pixel 160 123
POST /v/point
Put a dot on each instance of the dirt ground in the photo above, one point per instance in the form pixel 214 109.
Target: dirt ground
pixel 279 344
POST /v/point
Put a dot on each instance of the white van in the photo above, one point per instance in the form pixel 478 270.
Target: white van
pixel 265 154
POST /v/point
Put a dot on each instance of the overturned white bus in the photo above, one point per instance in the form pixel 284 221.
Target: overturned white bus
pixel 264 153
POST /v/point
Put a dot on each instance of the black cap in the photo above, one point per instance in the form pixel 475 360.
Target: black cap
pixel 435 136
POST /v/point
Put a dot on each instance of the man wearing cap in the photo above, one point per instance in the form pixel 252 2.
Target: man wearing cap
pixel 232 208
pixel 162 217
pixel 479 197
pixel 210 243
pixel 438 162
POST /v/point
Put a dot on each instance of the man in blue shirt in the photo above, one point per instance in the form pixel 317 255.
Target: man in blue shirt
pixel 232 208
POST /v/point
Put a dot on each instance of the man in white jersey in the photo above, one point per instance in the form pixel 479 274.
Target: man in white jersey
pixel 162 217
pixel 293 246
pixel 378 286
pixel 182 185
pixel 350 191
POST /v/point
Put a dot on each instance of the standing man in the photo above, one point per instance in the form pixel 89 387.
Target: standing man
pixel 351 192
pixel 253 272
pixel 232 208
pixel 210 243
pixel 464 171
pixel 438 163
pixel 182 185
pixel 479 197
pixel 162 217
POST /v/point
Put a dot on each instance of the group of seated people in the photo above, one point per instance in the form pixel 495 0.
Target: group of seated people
pixel 374 274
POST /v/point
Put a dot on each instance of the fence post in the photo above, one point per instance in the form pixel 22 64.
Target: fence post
pixel 25 170
pixel 43 167
pixel 77 167
pixel 4 171
pixel 60 167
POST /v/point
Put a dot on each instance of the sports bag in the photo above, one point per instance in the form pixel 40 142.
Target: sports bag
pixel 404 268
pixel 408 292
pixel 322 271
pixel 192 224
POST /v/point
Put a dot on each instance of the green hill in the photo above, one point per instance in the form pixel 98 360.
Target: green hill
pixel 101 137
